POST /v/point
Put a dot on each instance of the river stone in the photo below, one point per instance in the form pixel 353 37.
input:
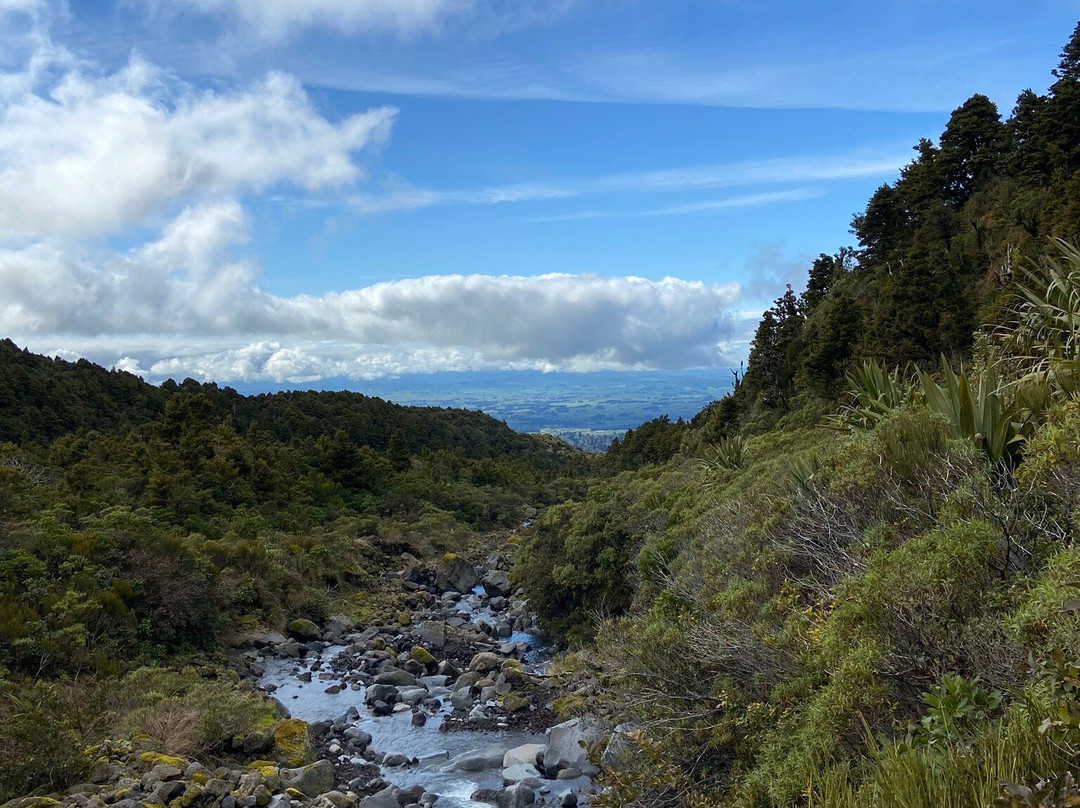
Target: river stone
pixel 496 584
pixel 313 780
pixel 516 796
pixel 384 799
pixel 461 699
pixel 396 677
pixel 490 758
pixel 456 573
pixel 524 755
pixel 485 661
pixel 432 633
pixel 519 772
pixel 302 629
pixel 566 747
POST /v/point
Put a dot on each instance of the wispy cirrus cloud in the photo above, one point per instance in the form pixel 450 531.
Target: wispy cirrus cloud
pixel 788 170
pixel 277 20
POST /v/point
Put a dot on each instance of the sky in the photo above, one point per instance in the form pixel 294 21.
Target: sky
pixel 294 190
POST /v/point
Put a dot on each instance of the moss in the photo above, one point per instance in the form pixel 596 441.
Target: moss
pixel 158 759
pixel 292 740
pixel 200 778
pixel 266 768
pixel 422 655
pixel 405 618
pixel 294 794
pixel 191 795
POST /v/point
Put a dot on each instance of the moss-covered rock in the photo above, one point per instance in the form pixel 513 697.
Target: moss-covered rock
pixel 158 759
pixel 292 742
pixel 302 629
pixel 423 656
pixel 513 703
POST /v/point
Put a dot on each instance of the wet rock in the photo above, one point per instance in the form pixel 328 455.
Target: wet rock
pixel 490 758
pixel 566 747
pixel 396 677
pixel 526 755
pixel 383 799
pixel 516 796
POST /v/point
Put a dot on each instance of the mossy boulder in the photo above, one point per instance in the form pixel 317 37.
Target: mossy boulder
pixel 405 618
pixel 514 703
pixel 423 656
pixel 32 802
pixel 158 759
pixel 304 630
pixel 292 742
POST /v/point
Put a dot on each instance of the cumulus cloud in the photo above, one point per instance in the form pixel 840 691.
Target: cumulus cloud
pixel 83 154
pixel 186 287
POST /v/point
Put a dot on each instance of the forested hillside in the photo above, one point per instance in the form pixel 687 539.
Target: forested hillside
pixel 140 526
pixel 854 581
pixel 938 252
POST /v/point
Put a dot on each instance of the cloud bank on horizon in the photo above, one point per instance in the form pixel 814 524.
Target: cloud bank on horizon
pixel 88 156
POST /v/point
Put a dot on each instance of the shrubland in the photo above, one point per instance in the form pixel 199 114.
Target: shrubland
pixel 855 581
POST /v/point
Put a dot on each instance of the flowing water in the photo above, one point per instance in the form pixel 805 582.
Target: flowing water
pixel 396 734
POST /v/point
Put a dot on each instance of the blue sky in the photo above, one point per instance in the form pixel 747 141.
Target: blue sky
pixel 282 191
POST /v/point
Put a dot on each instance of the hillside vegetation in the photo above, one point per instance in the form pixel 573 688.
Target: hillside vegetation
pixel 144 529
pixel 854 581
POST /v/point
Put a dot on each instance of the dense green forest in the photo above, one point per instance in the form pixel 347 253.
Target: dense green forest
pixel 854 581
pixel 143 528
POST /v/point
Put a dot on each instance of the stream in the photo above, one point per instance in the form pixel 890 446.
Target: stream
pixel 452 765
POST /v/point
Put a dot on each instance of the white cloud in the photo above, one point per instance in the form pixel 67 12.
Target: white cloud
pixel 184 291
pixel 83 154
pixel 275 20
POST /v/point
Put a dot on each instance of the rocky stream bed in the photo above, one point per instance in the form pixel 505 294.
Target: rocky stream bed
pixel 449 705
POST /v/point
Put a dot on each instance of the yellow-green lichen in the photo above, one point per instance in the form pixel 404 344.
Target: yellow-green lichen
pixel 292 740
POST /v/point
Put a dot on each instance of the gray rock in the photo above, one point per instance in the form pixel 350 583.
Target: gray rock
pixel 384 799
pixel 497 584
pixel 519 772
pixel 432 634
pixel 396 761
pixel 516 796
pixel 457 574
pixel 524 755
pixel 168 791
pixel 313 780
pixel 566 747
pixel 396 677
pixel 280 801
pixel 461 699
pixel 490 758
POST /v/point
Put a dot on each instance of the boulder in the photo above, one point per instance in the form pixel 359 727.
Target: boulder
pixel 303 630
pixel 497 584
pixel 396 677
pixel 383 799
pixel 490 758
pixel 432 633
pixel 456 574
pixel 524 755
pixel 519 772
pixel 566 747
pixel 485 661
pixel 513 703
pixel 311 781
pixel 516 796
